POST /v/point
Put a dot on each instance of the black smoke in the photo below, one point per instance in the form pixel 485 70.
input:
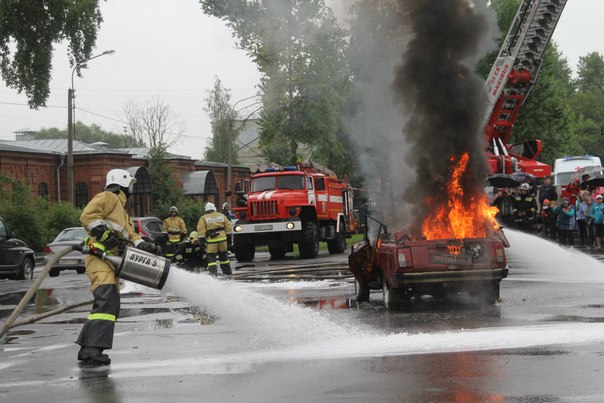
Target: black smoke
pixel 442 97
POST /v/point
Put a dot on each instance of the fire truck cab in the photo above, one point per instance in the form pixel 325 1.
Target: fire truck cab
pixel 293 205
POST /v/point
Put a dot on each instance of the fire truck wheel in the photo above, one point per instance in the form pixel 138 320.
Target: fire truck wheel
pixel 309 246
pixel 277 252
pixel 244 251
pixel 337 245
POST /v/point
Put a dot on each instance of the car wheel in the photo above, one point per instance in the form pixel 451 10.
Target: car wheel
pixel 309 245
pixel 54 272
pixel 26 271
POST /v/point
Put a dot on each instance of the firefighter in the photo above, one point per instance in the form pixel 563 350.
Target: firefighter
pixel 525 209
pixel 109 227
pixel 176 230
pixel 214 231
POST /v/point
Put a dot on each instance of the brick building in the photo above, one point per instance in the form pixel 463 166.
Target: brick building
pixel 42 164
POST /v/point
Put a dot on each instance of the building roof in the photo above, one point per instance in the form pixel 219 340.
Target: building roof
pixel 59 146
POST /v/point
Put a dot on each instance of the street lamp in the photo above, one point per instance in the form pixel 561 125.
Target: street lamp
pixel 71 126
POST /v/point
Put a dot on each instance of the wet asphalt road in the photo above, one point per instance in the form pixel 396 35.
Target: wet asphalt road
pixel 542 343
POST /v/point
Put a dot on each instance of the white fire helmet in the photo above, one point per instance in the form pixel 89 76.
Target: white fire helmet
pixel 525 186
pixel 120 177
pixel 210 207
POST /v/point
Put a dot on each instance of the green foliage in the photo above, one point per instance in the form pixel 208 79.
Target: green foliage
pixel 591 74
pixel 90 134
pixel 165 189
pixel 189 210
pixel 28 31
pixel 225 128
pixel 61 216
pixel 33 220
pixel 300 52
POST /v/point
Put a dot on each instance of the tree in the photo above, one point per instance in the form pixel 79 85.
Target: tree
pixel 28 30
pixel 590 72
pixel 300 52
pixel 225 130
pixel 90 134
pixel 153 123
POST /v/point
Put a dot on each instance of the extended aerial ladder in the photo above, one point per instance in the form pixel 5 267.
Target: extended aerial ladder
pixel 510 81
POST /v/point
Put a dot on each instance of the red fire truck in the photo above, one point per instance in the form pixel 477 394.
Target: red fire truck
pixel 301 205
pixel 509 83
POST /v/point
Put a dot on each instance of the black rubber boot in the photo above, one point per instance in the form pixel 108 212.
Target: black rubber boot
pixel 93 355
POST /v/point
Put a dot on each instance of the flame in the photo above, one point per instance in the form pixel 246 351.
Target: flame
pixel 457 215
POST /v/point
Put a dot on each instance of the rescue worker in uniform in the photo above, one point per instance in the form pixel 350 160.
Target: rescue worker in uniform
pixel 176 229
pixel 525 209
pixel 109 227
pixel 214 231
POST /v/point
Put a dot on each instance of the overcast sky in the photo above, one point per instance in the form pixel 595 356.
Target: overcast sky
pixel 172 50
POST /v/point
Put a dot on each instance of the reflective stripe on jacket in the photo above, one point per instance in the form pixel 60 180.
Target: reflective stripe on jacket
pixel 214 221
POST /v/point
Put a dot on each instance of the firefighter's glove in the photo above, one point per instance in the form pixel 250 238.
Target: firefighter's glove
pixel 147 246
pixel 104 236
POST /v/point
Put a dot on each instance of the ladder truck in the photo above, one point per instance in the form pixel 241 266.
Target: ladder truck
pixel 509 83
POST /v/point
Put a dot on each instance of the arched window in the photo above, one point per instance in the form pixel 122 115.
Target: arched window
pixel 81 194
pixel 43 190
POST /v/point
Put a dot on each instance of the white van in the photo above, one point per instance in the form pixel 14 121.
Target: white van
pixel 566 169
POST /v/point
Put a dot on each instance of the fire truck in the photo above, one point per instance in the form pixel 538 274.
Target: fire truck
pixel 302 205
pixel 509 83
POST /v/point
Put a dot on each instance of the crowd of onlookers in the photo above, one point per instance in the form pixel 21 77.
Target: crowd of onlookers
pixel 573 217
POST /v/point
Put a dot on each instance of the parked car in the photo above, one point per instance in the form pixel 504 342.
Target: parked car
pixel 74 260
pixel 150 228
pixel 17 261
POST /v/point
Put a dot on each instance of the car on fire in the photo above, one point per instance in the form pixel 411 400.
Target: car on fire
pixel 405 269
pixel 74 260
pixel 17 261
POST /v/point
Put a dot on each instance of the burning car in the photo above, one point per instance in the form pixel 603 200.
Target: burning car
pixel 460 247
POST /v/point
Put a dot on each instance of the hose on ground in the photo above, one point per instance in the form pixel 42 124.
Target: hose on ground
pixel 32 290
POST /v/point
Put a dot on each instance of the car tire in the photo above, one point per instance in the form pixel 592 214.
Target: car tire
pixel 338 244
pixel 54 272
pixel 26 271
pixel 309 246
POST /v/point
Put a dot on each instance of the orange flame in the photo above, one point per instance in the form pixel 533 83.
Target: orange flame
pixel 456 217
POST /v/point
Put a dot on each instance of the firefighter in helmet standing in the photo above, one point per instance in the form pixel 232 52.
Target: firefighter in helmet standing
pixel 109 226
pixel 525 209
pixel 214 231
pixel 176 229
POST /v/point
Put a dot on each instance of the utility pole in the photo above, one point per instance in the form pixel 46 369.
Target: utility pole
pixel 71 127
pixel 70 198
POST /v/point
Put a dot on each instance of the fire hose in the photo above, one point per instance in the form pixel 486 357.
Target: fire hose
pixel 32 290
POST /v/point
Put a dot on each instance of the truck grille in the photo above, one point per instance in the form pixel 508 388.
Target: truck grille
pixel 263 208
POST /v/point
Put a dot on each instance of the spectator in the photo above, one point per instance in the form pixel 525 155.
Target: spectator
pixel 565 222
pixel 553 218
pixel 572 191
pixel 597 213
pixel 547 191
pixel 581 216
pixel 546 211
pixel 589 222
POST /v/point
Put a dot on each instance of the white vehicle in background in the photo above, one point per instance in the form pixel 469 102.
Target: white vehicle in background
pixel 567 169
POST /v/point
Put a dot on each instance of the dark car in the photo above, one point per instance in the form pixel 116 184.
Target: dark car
pixel 17 261
pixel 150 228
pixel 74 260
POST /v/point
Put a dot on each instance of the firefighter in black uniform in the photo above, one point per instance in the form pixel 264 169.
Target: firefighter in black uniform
pixel 525 209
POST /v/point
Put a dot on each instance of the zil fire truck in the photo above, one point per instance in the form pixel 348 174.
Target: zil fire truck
pixel 509 83
pixel 405 268
pixel 290 205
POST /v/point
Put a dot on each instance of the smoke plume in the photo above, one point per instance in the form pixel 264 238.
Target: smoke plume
pixel 442 98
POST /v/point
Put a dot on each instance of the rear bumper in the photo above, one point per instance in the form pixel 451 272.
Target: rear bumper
pixel 400 280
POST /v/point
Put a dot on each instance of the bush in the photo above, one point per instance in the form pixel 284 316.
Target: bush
pixel 61 216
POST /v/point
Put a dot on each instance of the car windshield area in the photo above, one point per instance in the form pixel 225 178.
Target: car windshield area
pixel 289 182
pixel 72 234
